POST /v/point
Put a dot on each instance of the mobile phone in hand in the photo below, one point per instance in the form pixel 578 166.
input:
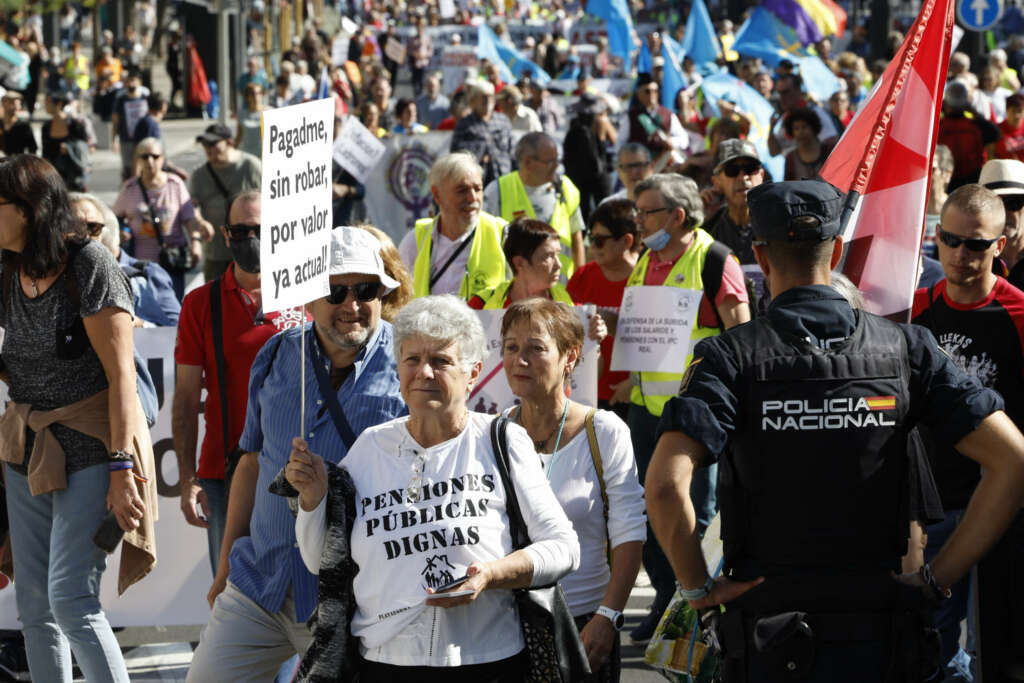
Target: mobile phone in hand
pixel 109 534
pixel 451 584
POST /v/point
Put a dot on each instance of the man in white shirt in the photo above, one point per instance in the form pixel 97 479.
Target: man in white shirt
pixel 458 251
pixel 510 103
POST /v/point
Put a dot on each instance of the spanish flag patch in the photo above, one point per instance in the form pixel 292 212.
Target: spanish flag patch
pixel 881 402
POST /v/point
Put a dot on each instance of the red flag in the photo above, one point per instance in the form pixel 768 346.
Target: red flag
pixel 883 160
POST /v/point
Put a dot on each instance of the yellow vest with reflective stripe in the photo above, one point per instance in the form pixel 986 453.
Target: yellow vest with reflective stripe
pixel 485 268
pixel 656 388
pixel 515 203
pixel 495 299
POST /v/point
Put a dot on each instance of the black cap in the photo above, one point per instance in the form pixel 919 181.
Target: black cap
pixel 773 206
pixel 734 148
pixel 214 134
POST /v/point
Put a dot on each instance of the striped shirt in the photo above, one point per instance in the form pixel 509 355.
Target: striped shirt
pixel 267 564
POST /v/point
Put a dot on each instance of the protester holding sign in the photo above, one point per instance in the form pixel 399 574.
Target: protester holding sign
pixel 431 505
pixel 263 594
pixel 67 351
pixel 588 460
pixel 670 211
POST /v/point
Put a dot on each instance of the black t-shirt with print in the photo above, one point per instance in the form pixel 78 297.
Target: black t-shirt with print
pixel 985 339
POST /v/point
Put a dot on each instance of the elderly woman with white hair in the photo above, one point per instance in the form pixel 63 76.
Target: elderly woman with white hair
pixel 429 506
pixel 156 304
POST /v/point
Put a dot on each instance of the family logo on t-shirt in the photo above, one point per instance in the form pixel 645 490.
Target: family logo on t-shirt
pixel 438 571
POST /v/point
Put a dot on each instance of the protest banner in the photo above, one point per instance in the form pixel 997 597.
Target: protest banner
pixel 653 332
pixel 455 61
pixel 174 593
pixel 395 51
pixel 398 189
pixel 357 149
pixel 296 199
pixel 492 392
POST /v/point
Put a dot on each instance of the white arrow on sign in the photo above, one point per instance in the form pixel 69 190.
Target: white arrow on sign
pixel 979 7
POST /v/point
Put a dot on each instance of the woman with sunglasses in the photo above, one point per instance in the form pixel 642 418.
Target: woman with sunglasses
pixel 430 508
pixel 587 458
pixel 67 359
pixel 614 244
pixel 153 201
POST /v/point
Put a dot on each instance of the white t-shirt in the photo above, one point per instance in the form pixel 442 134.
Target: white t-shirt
pixel 542 197
pixel 574 481
pixel 441 250
pixel 402 548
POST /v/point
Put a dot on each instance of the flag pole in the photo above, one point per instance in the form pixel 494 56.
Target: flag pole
pixel 302 373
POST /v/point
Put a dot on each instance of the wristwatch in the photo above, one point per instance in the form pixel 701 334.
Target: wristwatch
pixel 613 616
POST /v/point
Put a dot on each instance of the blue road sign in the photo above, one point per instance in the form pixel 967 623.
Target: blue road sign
pixel 979 15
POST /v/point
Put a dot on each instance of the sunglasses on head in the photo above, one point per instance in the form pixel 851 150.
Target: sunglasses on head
pixel 239 231
pixel 364 291
pixel 734 168
pixel 973 243
pixel 600 240
pixel 1013 203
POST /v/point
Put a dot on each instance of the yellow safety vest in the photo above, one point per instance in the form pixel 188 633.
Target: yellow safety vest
pixel 656 388
pixel 485 268
pixel 495 299
pixel 515 203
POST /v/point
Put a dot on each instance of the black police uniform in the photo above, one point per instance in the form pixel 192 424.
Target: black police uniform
pixel 807 410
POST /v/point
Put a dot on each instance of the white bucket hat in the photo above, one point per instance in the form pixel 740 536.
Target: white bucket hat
pixel 1003 176
pixel 356 251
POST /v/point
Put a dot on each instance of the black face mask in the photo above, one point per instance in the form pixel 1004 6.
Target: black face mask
pixel 246 253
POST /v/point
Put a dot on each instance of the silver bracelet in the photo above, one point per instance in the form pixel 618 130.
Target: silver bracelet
pixel 697 593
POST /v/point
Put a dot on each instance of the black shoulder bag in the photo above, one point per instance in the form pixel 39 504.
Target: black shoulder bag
pixel 553 644
pixel 175 259
pixel 330 397
pixel 232 453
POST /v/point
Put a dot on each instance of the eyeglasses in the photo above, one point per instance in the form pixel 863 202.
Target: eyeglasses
pixel 645 213
pixel 147 157
pixel 600 240
pixel 972 243
pixel 1013 203
pixel 239 231
pixel 734 168
pixel 94 228
pixel 635 166
pixel 364 291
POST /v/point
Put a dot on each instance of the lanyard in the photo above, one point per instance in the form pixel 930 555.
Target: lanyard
pixel 455 255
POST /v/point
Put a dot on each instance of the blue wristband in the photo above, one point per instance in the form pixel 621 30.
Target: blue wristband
pixel 697 593
pixel 121 465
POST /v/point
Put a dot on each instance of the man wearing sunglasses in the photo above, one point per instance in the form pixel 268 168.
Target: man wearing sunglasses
pixel 1005 177
pixel 978 319
pixel 263 594
pixel 737 170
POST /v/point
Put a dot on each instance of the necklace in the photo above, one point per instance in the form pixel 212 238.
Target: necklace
pixel 35 286
pixel 538 445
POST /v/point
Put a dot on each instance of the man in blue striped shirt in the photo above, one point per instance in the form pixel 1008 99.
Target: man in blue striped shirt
pixel 262 599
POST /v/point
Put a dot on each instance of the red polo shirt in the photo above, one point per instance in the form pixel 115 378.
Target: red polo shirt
pixel 246 330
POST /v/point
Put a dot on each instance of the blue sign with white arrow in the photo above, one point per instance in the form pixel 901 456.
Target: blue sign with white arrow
pixel 979 15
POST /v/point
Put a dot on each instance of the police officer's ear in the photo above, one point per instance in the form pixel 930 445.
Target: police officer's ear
pixel 837 252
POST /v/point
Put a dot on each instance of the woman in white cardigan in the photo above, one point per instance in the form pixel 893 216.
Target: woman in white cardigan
pixel 541 344
pixel 430 508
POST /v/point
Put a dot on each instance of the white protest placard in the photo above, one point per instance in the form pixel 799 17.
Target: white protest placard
pixel 296 196
pixel 653 332
pixel 447 8
pixel 348 26
pixel 357 150
pixel 456 60
pixel 134 110
pixel 395 50
pixel 492 392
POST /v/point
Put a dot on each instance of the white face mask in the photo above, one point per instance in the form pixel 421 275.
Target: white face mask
pixel 658 240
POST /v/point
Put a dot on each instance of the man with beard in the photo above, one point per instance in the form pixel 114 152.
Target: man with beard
pixel 242 330
pixel 458 251
pixel 263 594
pixel 977 318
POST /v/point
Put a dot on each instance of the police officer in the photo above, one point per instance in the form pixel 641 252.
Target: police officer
pixel 807 409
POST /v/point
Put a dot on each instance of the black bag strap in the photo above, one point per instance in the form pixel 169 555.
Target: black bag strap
pixel 437 276
pixel 152 213
pixel 499 444
pixel 218 182
pixel 330 397
pixel 217 314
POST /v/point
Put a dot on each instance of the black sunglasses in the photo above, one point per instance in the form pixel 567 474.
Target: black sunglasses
pixel 734 168
pixel 973 243
pixel 1013 203
pixel 364 291
pixel 600 240
pixel 150 156
pixel 239 231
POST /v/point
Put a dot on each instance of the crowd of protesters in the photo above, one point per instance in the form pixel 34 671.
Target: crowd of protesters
pixel 547 197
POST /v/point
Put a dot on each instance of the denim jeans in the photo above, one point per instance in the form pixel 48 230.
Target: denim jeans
pixel 952 611
pixel 643 429
pixel 216 498
pixel 58 570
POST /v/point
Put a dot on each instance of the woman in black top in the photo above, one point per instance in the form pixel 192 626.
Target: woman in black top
pixel 65 143
pixel 585 153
